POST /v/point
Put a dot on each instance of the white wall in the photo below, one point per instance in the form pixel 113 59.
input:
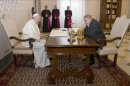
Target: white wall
pixel 125 8
pixel 50 4
pixel 93 8
pixel 20 10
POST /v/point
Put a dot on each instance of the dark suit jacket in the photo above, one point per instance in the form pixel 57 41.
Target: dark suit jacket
pixel 94 31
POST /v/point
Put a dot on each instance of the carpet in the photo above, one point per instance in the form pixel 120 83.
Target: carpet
pixel 29 76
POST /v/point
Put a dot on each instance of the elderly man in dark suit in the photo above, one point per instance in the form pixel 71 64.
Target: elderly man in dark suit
pixel 94 31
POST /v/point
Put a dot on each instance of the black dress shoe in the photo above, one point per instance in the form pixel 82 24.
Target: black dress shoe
pixel 49 66
pixel 84 61
pixel 91 63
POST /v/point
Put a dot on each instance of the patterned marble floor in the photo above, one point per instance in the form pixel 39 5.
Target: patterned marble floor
pixel 123 60
pixel 106 76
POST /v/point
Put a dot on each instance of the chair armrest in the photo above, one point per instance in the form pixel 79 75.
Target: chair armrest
pixel 104 41
pixel 108 40
pixel 101 43
pixel 113 39
pixel 30 40
pixel 20 33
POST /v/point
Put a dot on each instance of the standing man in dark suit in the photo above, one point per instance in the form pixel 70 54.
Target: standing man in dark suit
pixel 94 31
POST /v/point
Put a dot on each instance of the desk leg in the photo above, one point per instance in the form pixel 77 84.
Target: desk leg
pixel 51 76
pixel 88 70
pixel 99 61
pixel 87 59
pixel 54 73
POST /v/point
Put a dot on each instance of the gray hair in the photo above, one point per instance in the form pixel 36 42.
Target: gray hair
pixel 88 16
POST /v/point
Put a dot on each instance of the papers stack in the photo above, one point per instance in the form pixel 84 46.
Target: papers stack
pixel 59 32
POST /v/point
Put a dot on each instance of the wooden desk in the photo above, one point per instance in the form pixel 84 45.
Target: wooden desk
pixel 61 46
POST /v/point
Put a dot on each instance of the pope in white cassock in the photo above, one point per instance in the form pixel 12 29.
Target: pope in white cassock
pixel 31 30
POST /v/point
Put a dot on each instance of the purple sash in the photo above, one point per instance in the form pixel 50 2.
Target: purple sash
pixel 49 26
pixel 68 20
pixel 58 23
pixel 57 20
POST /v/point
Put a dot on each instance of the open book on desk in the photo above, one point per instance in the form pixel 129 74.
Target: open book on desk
pixel 59 32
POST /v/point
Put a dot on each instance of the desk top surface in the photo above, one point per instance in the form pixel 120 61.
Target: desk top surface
pixel 62 41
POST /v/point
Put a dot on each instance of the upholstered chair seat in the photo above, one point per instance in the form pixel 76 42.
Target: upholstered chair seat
pixel 19 49
pixel 106 50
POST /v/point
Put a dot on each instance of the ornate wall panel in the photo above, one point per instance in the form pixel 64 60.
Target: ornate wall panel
pixel 20 10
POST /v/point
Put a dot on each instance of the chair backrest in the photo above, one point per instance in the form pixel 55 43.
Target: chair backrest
pixel 119 29
pixel 10 28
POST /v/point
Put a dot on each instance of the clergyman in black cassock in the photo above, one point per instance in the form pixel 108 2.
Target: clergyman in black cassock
pixel 46 19
pixel 68 14
pixel 55 17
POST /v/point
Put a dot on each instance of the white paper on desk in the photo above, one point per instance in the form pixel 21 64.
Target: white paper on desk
pixel 59 32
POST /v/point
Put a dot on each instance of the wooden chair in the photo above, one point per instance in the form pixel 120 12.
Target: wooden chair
pixel 15 39
pixel 116 36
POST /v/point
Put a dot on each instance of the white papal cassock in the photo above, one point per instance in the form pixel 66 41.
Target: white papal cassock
pixel 31 30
